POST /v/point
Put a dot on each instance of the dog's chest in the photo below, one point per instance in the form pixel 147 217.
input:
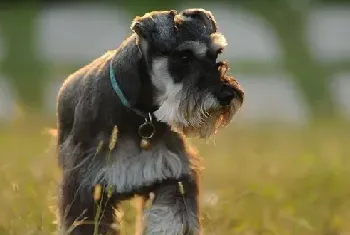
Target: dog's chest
pixel 128 168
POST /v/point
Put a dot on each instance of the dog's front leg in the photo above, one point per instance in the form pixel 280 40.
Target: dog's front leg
pixel 81 214
pixel 175 209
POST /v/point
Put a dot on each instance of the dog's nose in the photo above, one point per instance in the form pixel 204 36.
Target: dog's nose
pixel 226 95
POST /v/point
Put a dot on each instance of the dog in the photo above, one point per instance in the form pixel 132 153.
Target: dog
pixel 124 118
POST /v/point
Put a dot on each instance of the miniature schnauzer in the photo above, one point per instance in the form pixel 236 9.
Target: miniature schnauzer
pixel 123 118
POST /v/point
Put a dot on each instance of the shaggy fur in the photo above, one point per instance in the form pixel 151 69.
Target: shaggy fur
pixel 167 67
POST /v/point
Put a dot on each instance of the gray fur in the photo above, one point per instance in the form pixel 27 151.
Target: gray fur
pixel 130 168
pixel 173 211
pixel 170 218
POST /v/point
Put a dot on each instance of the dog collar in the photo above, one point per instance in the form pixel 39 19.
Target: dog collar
pixel 145 142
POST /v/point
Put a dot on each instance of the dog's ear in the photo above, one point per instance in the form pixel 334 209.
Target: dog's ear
pixel 143 26
pixel 157 27
pixel 206 17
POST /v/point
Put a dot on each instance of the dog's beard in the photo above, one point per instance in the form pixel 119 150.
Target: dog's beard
pixel 184 108
pixel 210 121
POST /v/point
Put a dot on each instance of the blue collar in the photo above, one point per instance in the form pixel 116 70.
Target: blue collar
pixel 148 117
pixel 120 94
pixel 116 87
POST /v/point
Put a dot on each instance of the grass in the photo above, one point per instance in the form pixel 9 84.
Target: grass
pixel 269 179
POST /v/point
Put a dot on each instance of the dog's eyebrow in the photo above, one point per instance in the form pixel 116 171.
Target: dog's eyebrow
pixel 199 48
pixel 218 41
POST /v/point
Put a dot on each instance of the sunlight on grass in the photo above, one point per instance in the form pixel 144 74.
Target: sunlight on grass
pixel 264 180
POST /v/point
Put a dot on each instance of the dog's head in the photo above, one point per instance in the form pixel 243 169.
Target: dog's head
pixel 193 91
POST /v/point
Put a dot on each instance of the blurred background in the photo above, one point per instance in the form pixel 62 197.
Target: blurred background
pixel 281 167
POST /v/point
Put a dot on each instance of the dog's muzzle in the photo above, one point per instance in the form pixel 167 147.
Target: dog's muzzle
pixel 228 91
pixel 225 94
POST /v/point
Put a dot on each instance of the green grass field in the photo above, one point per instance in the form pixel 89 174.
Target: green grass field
pixel 269 179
